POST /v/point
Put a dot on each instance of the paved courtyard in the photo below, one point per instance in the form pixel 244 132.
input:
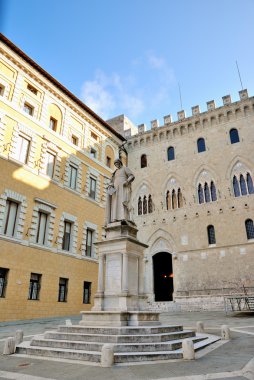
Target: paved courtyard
pixel 230 360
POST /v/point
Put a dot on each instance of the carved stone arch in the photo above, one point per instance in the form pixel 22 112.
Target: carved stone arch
pixel 161 136
pixel 238 113
pixel 205 173
pixel 138 189
pixel 238 160
pixel 205 123
pixel 222 118
pixel 136 143
pixel 161 240
pixel 175 132
pixel 230 115
pixel 190 128
pixel 183 130
pixel 246 110
pixel 197 125
pixel 213 120
pixel 142 142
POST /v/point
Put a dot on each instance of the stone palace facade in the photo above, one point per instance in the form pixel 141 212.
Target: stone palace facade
pixel 193 202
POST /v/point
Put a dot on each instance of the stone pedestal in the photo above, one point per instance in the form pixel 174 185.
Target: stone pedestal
pixel 120 299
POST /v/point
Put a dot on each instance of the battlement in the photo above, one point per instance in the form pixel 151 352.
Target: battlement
pixel 198 120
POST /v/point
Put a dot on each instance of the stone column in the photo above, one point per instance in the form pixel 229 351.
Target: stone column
pixel 140 275
pixel 101 275
pixel 125 273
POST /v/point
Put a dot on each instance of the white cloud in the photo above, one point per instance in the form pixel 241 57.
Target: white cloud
pixel 144 88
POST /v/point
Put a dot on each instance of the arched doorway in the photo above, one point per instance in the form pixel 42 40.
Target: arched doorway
pixel 163 276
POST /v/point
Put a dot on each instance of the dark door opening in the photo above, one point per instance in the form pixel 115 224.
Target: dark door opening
pixel 163 276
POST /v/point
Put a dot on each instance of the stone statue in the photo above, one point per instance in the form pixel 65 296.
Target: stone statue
pixel 118 205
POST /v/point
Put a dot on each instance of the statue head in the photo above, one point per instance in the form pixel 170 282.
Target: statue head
pixel 118 163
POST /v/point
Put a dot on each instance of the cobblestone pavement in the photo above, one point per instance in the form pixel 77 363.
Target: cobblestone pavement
pixel 232 360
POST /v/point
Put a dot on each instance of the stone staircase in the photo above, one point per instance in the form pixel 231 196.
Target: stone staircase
pixel 131 344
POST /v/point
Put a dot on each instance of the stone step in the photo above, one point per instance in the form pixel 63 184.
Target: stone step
pixel 120 330
pixel 152 338
pixel 97 346
pixel 25 348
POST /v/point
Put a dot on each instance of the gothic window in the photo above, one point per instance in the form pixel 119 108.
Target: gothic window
pixel 144 205
pixel 249 229
pixel 211 235
pixel 207 193
pixel 213 192
pixel 139 206
pixel 234 136
pixel 171 153
pixel 174 200
pixel 179 198
pixel 201 145
pixel 250 184
pixel 150 204
pixel 143 161
pixel 236 187
pixel 200 194
pixel 243 185
pixel 168 200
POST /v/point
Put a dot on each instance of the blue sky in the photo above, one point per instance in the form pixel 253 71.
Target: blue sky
pixel 128 56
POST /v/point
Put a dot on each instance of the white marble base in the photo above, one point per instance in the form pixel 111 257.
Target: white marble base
pixel 118 318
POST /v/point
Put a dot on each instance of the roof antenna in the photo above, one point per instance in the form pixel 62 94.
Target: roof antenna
pixel 180 95
pixel 239 74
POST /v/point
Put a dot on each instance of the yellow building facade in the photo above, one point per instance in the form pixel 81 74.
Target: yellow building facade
pixel 56 157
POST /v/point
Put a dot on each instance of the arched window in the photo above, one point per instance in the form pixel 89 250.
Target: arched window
pixel 211 235
pixel 139 206
pixel 150 204
pixel 168 200
pixel 234 136
pixel 144 205
pixel 243 185
pixel 207 193
pixel 143 161
pixel 236 187
pixel 174 200
pixel 250 184
pixel 249 228
pixel 201 145
pixel 213 192
pixel 179 198
pixel 171 153
pixel 200 194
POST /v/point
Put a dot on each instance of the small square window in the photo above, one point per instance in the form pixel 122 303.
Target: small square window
pixel 3 281
pixel 87 292
pixel 2 88
pixel 32 89
pixel 93 153
pixel 74 140
pixel 94 136
pixel 108 161
pixel 28 109
pixel 53 124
